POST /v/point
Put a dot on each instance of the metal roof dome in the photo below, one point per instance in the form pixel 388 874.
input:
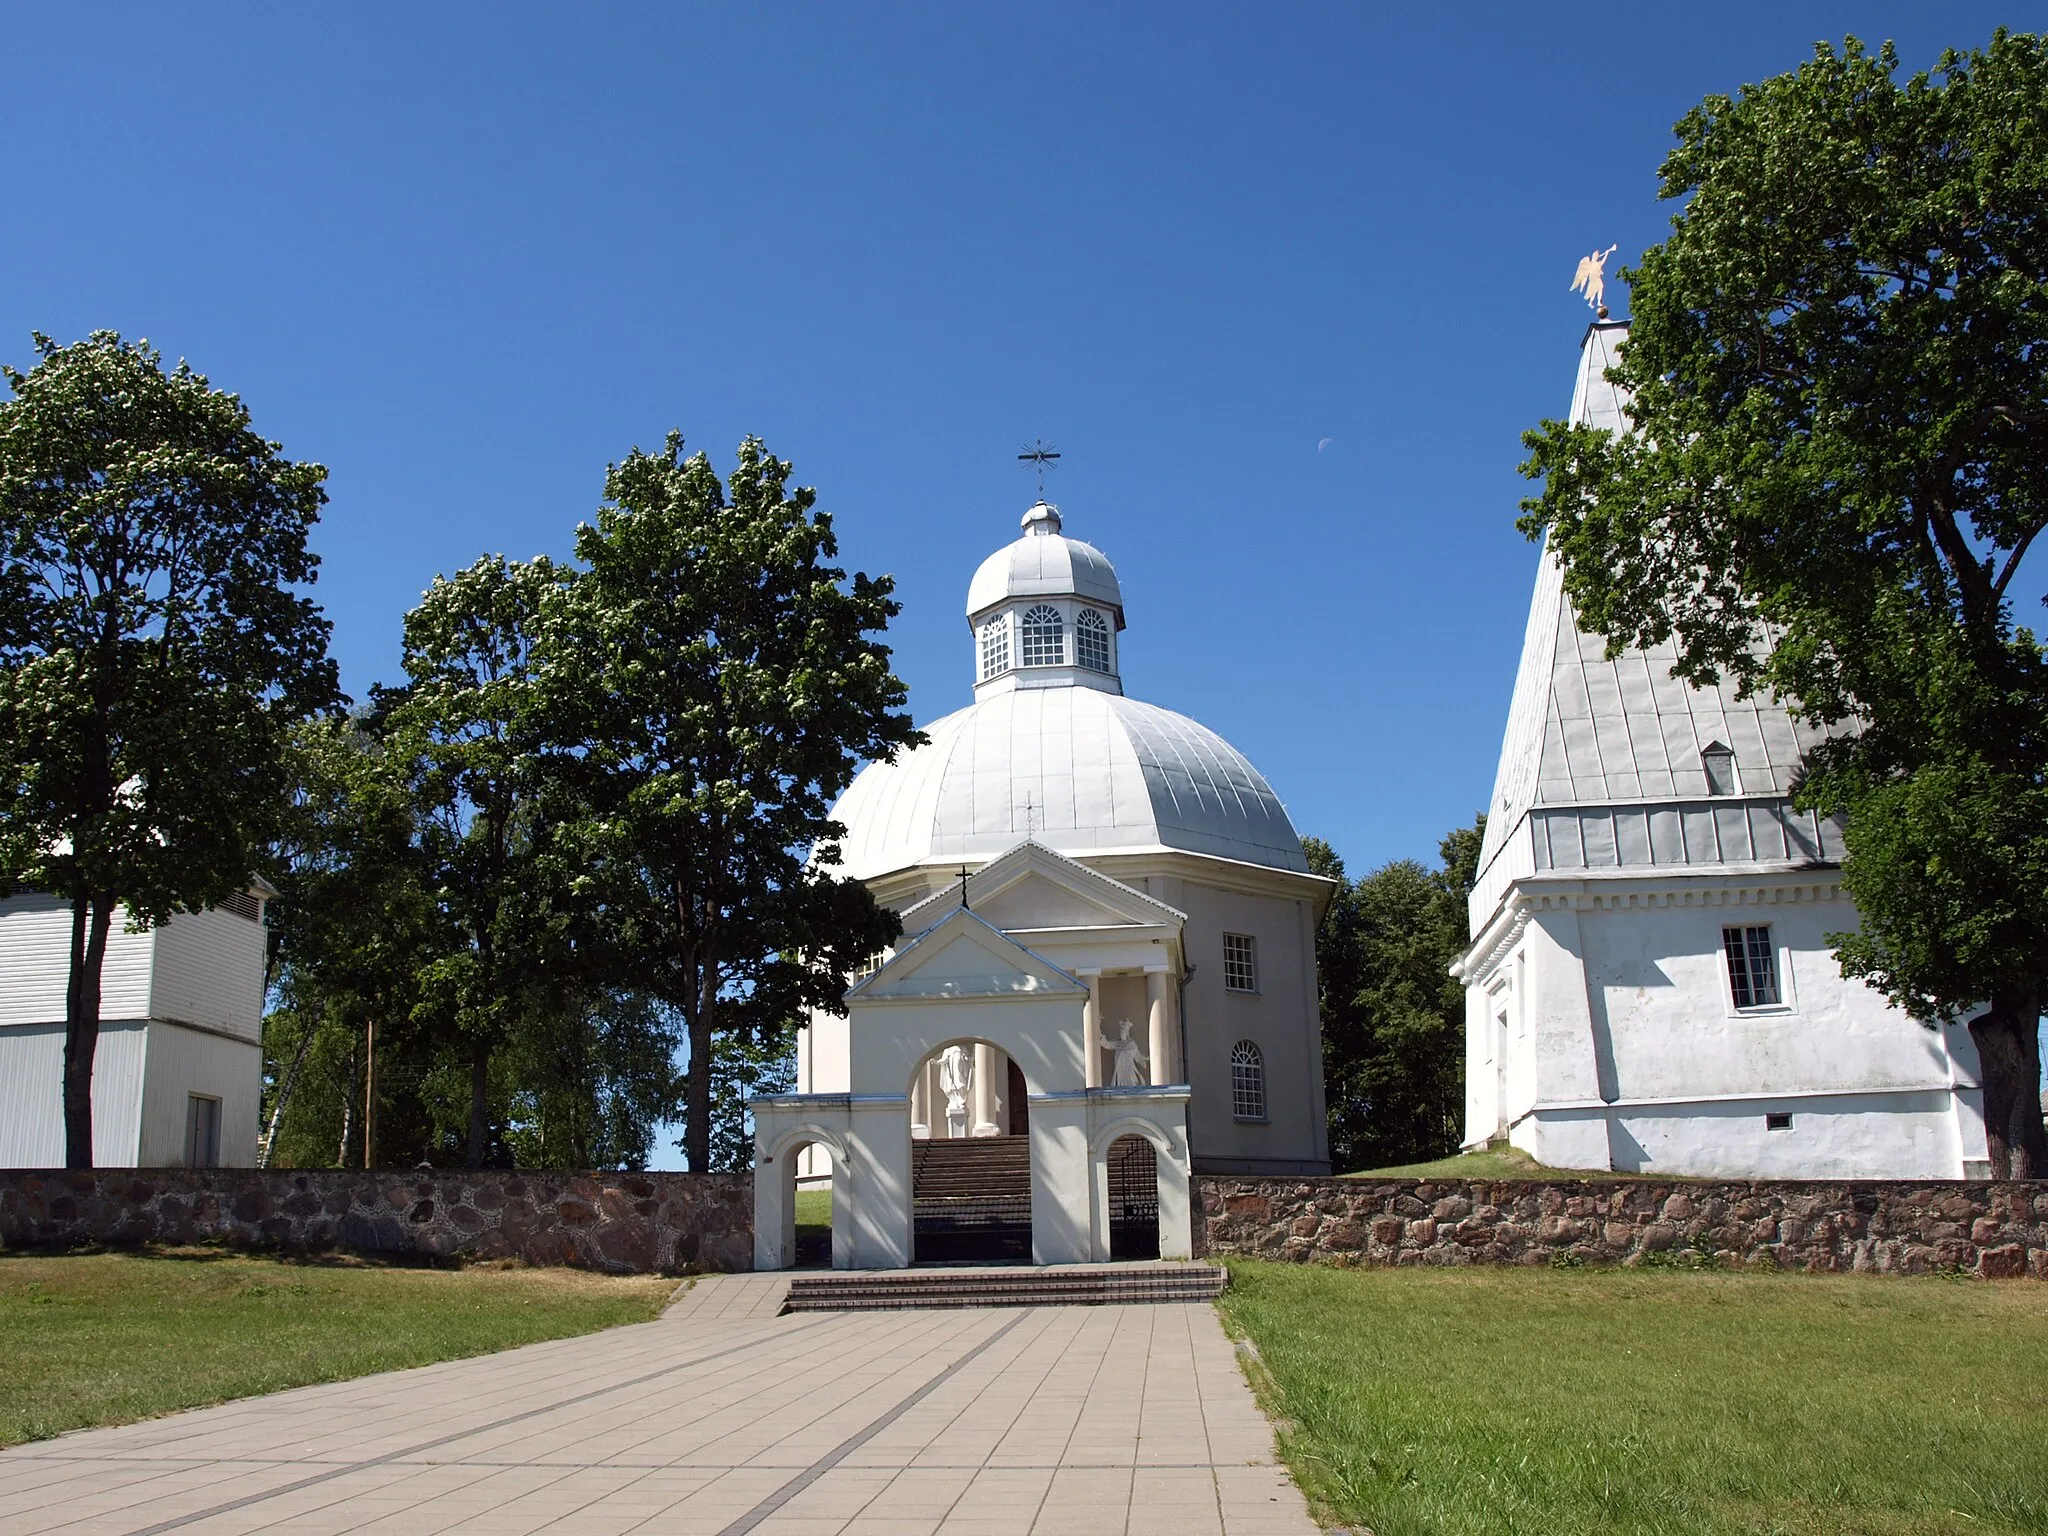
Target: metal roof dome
pixel 1081 770
pixel 1045 563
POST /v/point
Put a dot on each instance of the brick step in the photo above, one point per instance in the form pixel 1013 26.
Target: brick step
pixel 1008 1286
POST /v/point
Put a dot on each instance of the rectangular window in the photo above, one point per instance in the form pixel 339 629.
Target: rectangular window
pixel 1240 963
pixel 1752 967
pixel 1777 1122
pixel 202 1132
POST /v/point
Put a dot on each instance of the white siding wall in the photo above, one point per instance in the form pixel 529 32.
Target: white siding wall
pixel 32 1095
pixel 183 1062
pixel 35 964
pixel 209 972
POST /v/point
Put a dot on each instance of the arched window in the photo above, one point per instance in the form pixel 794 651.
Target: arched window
pixel 1045 637
pixel 995 646
pixel 1247 1081
pixel 1091 641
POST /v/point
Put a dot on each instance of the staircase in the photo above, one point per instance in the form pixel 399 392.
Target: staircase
pixel 1056 1285
pixel 972 1199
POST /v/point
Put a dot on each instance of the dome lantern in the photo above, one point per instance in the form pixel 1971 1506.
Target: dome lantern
pixel 1045 612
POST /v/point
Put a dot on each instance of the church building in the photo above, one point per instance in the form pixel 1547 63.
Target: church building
pixel 1649 987
pixel 1106 980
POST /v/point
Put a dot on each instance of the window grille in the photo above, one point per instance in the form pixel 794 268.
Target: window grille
pixel 1240 963
pixel 1247 1082
pixel 1752 967
pixel 1045 637
pixel 995 647
pixel 1719 762
pixel 1091 641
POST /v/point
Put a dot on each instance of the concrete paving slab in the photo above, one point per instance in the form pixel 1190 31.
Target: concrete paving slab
pixel 720 1419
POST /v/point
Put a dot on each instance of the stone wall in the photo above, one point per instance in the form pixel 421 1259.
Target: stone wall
pixel 622 1222
pixel 1994 1230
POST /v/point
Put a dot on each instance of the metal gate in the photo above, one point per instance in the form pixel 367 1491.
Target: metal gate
pixel 1133 1199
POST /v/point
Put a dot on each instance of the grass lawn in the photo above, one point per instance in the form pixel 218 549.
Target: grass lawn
pixel 1487 1163
pixel 1599 1401
pixel 108 1338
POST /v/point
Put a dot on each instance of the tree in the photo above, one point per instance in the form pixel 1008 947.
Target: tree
pixel 1837 375
pixel 467 718
pixel 1393 1018
pixel 349 929
pixel 154 651
pixel 713 685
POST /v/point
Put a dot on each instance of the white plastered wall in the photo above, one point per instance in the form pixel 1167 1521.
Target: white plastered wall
pixel 1626 1050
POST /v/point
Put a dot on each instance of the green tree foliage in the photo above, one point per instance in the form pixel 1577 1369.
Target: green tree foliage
pixel 1393 1018
pixel 154 651
pixel 714 682
pixel 467 720
pixel 1838 366
pixel 349 934
pixel 589 1085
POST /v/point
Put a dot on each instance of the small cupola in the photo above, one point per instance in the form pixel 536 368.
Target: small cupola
pixel 1045 611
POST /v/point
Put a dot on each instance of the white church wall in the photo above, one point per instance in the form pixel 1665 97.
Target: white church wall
pixel 1847 1136
pixel 35 959
pixel 209 972
pixel 181 1062
pixel 1660 979
pixel 32 1095
pixel 1280 1018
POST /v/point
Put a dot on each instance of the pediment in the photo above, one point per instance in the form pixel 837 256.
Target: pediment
pixel 1032 887
pixel 964 956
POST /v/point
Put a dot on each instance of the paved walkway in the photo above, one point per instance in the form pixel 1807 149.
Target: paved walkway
pixel 718 1420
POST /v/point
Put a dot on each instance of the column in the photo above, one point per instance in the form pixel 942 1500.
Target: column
pixel 1091 1032
pixel 984 1091
pixel 1155 1017
pixel 920 1117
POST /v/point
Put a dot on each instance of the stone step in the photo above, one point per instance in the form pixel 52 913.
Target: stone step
pixel 1063 1285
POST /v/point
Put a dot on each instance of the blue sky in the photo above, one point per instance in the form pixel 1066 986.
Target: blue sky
pixel 466 256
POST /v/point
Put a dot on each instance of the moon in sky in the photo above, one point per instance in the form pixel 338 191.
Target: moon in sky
pixel 1324 443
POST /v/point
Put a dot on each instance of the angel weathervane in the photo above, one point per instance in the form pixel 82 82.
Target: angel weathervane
pixel 1591 280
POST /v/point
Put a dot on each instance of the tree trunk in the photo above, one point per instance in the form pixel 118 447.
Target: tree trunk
pixel 284 1097
pixel 2009 1058
pixel 479 1100
pixel 370 1094
pixel 91 920
pixel 697 1094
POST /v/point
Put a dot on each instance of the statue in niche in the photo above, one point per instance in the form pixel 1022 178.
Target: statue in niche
pixel 1129 1068
pixel 956 1076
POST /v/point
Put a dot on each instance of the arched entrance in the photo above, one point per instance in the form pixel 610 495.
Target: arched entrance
pixel 1133 1199
pixel 806 1218
pixel 970 1157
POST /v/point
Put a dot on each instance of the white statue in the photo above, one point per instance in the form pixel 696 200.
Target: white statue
pixel 1130 1061
pixel 1591 279
pixel 956 1075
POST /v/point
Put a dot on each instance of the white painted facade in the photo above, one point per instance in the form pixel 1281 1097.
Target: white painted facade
pixel 1636 824
pixel 181 1019
pixel 1123 864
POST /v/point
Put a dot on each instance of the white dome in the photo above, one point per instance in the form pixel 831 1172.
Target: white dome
pixel 1081 770
pixel 1045 563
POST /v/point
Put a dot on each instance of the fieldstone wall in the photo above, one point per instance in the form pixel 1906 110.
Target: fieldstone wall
pixel 1998 1231
pixel 621 1222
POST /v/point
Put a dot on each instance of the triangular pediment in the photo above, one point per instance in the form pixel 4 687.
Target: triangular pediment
pixel 1033 888
pixel 963 955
